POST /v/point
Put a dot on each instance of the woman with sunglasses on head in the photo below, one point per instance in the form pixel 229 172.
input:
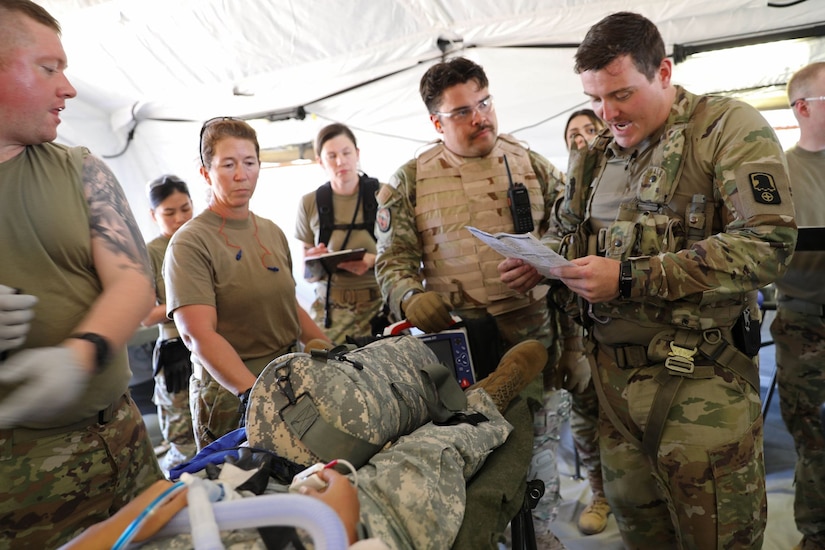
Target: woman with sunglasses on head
pixel 230 290
pixel 340 215
pixel 171 207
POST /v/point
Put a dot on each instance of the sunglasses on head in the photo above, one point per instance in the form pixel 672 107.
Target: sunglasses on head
pixel 207 124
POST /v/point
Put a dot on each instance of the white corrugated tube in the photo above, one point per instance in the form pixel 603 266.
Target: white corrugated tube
pixel 291 510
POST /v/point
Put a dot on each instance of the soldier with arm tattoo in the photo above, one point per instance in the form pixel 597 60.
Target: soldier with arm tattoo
pixel 68 427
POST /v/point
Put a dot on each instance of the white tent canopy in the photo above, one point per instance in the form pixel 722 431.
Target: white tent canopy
pixel 157 69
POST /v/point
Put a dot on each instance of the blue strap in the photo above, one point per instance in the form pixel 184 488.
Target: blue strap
pixel 214 453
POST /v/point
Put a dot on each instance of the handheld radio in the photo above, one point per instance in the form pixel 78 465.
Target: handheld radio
pixel 519 201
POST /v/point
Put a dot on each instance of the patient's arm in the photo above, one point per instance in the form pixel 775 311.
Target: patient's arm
pixel 103 535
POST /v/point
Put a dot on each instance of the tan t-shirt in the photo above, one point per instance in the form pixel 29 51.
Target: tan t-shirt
pixel 157 250
pixel 46 251
pixel 243 269
pixel 308 226
pixel 803 279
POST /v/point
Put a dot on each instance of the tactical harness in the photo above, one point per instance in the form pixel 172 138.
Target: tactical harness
pixel 645 226
pixel 367 188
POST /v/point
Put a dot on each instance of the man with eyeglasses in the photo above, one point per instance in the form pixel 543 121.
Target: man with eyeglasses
pixel 74 285
pixel 799 326
pixel 429 265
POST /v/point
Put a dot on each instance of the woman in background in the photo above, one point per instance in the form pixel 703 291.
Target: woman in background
pixel 340 215
pixel 582 128
pixel 171 207
pixel 230 290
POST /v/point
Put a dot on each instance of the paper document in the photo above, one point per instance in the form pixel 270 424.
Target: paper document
pixel 523 246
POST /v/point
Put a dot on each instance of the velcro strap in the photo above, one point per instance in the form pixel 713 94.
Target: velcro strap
pixel 657 415
pixel 321 437
pixel 802 306
pixel 630 356
pixel 445 397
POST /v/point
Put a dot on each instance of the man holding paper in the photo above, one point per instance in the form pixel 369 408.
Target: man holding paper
pixel 673 222
pixel 429 265
pixel 463 180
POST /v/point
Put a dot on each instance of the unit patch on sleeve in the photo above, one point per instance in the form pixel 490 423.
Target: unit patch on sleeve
pixel 764 188
pixel 383 219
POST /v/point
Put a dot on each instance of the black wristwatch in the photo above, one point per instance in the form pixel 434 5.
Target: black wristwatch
pixel 625 279
pixel 103 350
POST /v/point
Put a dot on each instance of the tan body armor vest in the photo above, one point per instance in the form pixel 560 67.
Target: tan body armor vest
pixel 453 192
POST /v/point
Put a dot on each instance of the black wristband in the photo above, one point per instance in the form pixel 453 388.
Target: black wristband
pixel 103 350
pixel 625 279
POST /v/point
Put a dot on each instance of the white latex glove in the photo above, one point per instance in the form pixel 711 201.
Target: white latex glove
pixel 573 371
pixel 15 313
pixel 43 382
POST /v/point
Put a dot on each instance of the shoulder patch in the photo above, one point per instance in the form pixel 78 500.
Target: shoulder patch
pixel 764 188
pixel 383 219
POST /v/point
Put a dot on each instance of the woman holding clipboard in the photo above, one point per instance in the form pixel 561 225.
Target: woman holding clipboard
pixel 340 216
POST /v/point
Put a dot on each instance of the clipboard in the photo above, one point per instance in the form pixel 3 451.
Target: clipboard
pixel 317 268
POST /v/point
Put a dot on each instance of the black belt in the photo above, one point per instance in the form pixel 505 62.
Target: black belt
pixel 23 435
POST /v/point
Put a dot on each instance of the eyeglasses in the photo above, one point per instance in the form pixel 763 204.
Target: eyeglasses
pixel 463 114
pixel 819 98
pixel 206 124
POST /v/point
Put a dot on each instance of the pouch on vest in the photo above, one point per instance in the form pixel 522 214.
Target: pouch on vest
pixel 747 333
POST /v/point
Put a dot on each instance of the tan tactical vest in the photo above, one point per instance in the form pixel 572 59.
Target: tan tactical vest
pixel 453 192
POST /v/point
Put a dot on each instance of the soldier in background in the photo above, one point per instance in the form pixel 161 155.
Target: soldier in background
pixel 799 327
pixel 171 205
pixel 672 224
pixel 581 129
pixel 73 446
pixel 337 216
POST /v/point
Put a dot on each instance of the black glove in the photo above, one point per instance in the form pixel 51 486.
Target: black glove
pixel 174 359
pixel 249 460
pixel 244 397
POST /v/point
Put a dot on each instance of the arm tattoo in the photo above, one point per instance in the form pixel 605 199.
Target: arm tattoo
pixel 110 217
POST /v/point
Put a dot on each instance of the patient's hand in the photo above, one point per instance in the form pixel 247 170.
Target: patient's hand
pixel 341 496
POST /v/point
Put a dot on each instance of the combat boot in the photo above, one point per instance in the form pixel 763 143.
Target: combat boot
pixel 593 518
pixel 518 367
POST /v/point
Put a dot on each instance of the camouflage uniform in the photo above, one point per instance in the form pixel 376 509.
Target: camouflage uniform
pixel 412 493
pixel 105 454
pixel 61 475
pixel 706 219
pixel 174 415
pixel 799 334
pixel 422 239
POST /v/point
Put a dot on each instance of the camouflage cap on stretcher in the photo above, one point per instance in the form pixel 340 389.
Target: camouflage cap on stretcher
pixel 312 409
